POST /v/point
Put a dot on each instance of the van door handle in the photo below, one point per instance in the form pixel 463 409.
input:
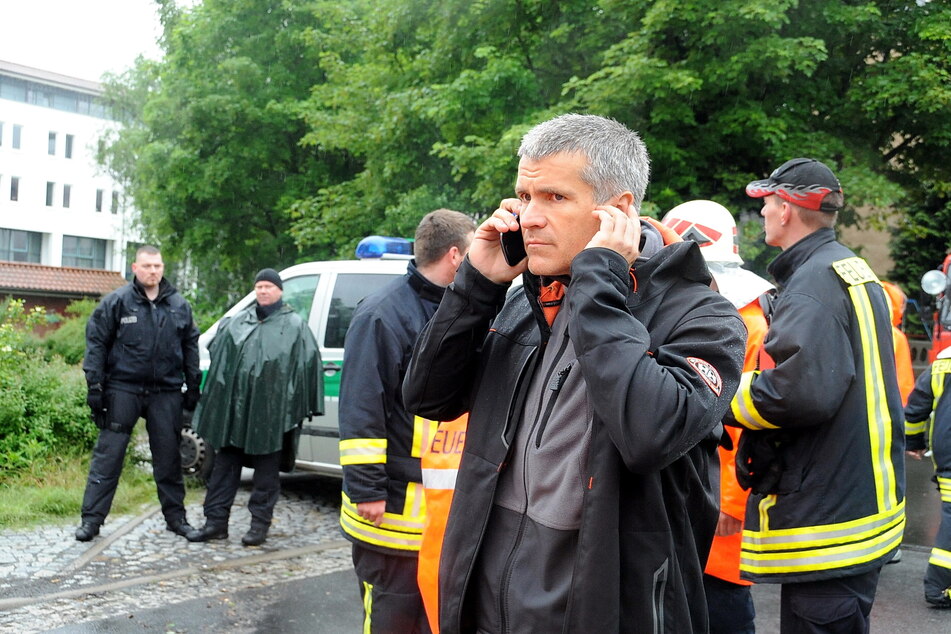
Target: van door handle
pixel 331 368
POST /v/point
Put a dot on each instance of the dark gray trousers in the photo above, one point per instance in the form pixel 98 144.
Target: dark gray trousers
pixel 226 477
pixel 162 412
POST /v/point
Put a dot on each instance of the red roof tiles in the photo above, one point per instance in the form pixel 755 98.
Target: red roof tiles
pixel 38 278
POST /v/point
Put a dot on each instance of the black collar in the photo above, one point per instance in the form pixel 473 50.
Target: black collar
pixel 424 288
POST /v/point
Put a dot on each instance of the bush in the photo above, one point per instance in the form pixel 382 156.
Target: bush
pixel 42 401
pixel 69 340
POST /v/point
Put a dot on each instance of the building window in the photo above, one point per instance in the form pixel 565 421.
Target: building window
pixel 50 187
pixel 1 132
pixel 87 253
pixel 14 188
pixel 17 131
pixel 66 189
pixel 115 203
pixel 20 246
pixel 69 146
pixel 52 144
pixel 98 200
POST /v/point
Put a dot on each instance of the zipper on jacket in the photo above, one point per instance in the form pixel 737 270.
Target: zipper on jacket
pixel 557 382
pixel 509 566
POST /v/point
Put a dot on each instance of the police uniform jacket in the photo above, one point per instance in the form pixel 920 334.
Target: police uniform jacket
pixel 830 413
pixel 659 365
pixel 134 344
pixel 381 442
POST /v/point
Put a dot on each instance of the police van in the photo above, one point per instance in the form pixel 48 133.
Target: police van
pixel 325 295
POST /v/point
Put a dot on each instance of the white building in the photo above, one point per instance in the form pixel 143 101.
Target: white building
pixel 57 207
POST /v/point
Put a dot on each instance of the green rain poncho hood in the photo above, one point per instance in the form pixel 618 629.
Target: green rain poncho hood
pixel 265 377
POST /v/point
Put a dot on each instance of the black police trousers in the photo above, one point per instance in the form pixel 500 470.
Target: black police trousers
pixel 162 412
pixel 224 481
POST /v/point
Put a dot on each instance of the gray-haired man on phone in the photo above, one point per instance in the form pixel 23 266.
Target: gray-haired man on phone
pixel 582 501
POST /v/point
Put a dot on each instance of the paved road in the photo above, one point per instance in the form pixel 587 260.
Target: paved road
pixel 137 577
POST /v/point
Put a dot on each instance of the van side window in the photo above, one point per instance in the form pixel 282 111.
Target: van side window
pixel 348 291
pixel 299 294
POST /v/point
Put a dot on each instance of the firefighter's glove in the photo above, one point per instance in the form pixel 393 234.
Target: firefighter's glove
pixel 96 401
pixel 759 461
pixel 191 399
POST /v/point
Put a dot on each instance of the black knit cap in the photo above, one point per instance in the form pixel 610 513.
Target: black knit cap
pixel 269 275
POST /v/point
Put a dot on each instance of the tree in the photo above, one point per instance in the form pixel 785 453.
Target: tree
pixel 210 150
pixel 274 130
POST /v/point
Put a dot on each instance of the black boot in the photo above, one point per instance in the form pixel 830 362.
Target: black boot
pixel 181 528
pixel 255 536
pixel 208 532
pixel 87 531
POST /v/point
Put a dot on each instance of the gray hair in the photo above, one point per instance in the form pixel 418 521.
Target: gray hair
pixel 617 157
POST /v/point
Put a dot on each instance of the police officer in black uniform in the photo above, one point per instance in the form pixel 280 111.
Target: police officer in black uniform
pixel 141 345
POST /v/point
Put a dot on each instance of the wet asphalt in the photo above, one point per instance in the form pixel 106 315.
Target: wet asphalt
pixel 141 578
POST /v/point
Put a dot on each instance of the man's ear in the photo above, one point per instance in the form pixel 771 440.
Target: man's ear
pixel 786 214
pixel 626 203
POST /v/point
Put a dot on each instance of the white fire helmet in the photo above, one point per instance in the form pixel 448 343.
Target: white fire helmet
pixel 710 225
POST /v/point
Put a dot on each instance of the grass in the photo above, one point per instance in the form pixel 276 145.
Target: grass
pixel 51 491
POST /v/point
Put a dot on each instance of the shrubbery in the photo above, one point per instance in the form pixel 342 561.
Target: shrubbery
pixel 42 397
pixel 69 340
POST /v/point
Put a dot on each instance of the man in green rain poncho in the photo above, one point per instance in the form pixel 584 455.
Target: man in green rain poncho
pixel 265 377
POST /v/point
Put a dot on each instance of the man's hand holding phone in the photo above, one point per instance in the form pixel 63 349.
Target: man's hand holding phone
pixel 486 252
pixel 620 231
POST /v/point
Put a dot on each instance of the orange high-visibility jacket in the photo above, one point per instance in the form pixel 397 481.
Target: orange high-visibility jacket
pixel 724 559
pixel 440 464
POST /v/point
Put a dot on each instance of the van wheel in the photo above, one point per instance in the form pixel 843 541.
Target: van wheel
pixel 198 457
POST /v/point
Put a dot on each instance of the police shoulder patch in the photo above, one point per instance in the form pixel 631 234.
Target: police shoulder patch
pixel 708 373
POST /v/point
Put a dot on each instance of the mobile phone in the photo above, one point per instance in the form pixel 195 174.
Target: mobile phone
pixel 513 248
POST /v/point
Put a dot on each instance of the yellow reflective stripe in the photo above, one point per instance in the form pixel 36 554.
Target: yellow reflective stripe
pixel 913 429
pixel 838 556
pixel 363 451
pixel 744 411
pixel 415 505
pixel 423 432
pixel 405 523
pixel 876 398
pixel 803 537
pixel 944 487
pixel 940 558
pixel 441 479
pixel 367 607
pixel 765 504
pixel 371 534
pixel 401 532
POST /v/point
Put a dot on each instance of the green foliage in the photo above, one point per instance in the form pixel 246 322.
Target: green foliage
pixel 42 402
pixel 277 131
pixel 69 340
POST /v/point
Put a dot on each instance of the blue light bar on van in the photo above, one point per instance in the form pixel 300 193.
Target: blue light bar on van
pixel 379 246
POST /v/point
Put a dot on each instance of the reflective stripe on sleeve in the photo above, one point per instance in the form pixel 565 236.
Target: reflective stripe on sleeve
pixel 944 487
pixel 744 411
pixel 363 451
pixel 913 429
